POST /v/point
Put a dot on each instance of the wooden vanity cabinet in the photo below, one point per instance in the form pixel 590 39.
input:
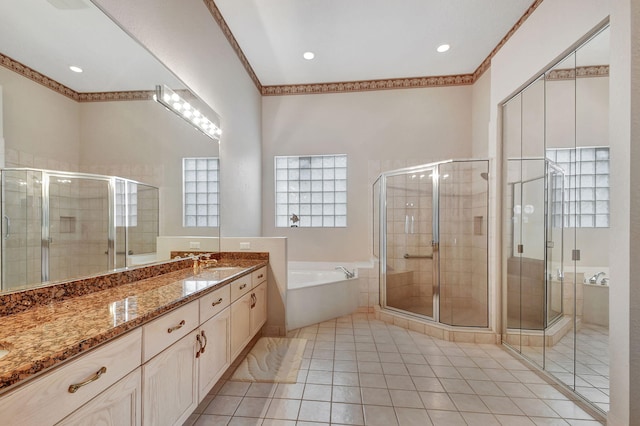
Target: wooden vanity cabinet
pixel 47 400
pixel 118 405
pixel 249 313
pixel 155 375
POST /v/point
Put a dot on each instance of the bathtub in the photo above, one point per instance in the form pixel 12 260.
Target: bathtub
pixel 316 293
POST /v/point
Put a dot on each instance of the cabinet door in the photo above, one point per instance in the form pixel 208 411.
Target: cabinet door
pixel 216 357
pixel 240 324
pixel 117 406
pixel 259 310
pixel 169 384
pixel 47 400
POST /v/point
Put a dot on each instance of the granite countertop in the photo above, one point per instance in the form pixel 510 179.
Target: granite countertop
pixel 46 335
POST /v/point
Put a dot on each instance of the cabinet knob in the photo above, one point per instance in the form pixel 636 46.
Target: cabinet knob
pixel 74 388
pixel 176 327
pixel 261 275
pixel 217 302
pixel 242 286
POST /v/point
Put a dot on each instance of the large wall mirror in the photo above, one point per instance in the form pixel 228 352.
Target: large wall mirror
pixel 76 127
pixel 556 227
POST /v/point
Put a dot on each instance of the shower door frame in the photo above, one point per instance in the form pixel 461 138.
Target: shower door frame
pixel 382 230
pixel 433 168
pixel 46 211
pixel 45 223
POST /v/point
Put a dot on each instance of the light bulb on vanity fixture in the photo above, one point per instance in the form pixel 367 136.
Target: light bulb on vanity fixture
pixel 176 104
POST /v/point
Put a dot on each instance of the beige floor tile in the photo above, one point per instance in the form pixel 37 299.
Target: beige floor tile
pixel 375 415
pixel 437 401
pixel 480 419
pixel 315 411
pixel 374 396
pixel 372 381
pixel 346 379
pixel 245 421
pixel 348 414
pixel 446 418
pixel 405 398
pixel 234 388
pixel 509 420
pixel 223 405
pixel 399 382
pixel 465 402
pixel 289 390
pixel 346 394
pixel 283 409
pixel 412 417
pixel 253 407
pixel 316 392
pixel 212 420
pixel 501 405
pixel 261 390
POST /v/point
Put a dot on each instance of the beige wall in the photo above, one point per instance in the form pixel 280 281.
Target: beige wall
pixel 624 320
pixel 143 141
pixel 40 126
pixel 196 50
pixel 480 97
pixel 379 131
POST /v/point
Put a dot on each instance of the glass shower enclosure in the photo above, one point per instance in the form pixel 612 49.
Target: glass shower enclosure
pixel 430 234
pixel 62 225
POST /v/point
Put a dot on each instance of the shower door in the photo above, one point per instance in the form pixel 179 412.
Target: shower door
pixel 78 227
pixel 409 272
pixel 21 228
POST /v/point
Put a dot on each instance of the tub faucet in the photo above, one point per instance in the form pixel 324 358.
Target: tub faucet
pixel 347 273
pixel 594 279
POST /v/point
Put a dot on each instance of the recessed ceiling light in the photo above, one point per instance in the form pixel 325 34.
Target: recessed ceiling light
pixel 308 55
pixel 443 48
pixel 75 69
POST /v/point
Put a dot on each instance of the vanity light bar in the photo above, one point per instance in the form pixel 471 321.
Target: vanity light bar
pixel 174 102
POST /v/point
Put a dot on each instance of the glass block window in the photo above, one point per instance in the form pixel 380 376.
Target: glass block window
pixel 126 197
pixel 586 187
pixel 201 192
pixel 311 191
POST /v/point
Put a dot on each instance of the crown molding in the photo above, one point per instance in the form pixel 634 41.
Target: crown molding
pixel 368 85
pixel 31 74
pixel 579 72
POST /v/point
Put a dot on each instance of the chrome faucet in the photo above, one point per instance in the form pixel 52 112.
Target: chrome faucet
pixel 594 279
pixel 199 264
pixel 347 273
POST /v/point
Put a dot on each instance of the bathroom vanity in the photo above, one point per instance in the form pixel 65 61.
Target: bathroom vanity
pixel 143 352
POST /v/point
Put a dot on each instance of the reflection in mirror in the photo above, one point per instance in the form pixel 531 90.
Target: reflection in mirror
pixel 556 228
pixel 101 121
pixel 592 236
pixel 561 203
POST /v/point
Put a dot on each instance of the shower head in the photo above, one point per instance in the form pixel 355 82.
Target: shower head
pixel 484 175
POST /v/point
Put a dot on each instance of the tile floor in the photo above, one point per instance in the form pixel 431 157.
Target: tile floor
pixel 361 371
pixel 591 363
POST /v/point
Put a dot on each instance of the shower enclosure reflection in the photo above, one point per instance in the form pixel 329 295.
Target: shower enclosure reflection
pixel 61 225
pixel 433 241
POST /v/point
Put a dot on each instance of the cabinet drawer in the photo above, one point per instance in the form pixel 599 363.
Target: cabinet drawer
pixel 240 286
pixel 168 329
pixel 258 277
pixel 214 302
pixel 48 399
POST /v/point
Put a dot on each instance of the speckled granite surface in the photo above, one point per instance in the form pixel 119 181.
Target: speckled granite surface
pixel 47 334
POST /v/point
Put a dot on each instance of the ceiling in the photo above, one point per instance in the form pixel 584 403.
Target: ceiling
pixel 51 35
pixel 366 39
